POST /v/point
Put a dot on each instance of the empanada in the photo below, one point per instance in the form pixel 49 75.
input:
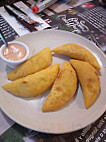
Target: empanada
pixel 63 88
pixel 77 52
pixel 34 64
pixel 35 84
pixel 89 81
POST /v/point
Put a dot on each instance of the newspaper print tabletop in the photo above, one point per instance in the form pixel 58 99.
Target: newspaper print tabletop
pixel 88 134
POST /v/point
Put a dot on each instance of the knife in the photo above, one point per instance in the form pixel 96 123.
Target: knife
pixel 30 21
pixel 22 21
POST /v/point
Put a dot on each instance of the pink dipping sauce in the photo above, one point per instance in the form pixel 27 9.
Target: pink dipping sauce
pixel 14 52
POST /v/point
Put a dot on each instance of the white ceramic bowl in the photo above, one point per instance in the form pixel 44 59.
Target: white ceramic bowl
pixel 14 64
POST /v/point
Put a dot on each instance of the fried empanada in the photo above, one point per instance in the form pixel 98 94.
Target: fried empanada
pixel 77 52
pixel 39 61
pixel 63 88
pixel 35 84
pixel 89 80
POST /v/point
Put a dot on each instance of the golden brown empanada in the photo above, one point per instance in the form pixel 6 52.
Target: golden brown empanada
pixel 77 52
pixel 39 61
pixel 63 88
pixel 89 81
pixel 35 84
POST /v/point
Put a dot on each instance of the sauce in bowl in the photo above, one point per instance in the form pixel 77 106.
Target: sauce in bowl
pixel 14 52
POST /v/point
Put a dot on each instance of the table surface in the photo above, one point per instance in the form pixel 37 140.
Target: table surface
pixel 12 132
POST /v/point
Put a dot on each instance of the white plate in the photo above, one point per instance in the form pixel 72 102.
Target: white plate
pixel 74 115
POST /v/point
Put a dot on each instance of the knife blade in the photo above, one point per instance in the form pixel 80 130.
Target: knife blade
pixel 30 27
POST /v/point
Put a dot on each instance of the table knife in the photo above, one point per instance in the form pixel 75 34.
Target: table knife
pixel 30 27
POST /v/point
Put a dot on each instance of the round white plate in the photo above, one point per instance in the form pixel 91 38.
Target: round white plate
pixel 74 115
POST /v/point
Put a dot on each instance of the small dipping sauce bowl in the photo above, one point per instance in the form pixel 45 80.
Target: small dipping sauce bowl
pixel 16 54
